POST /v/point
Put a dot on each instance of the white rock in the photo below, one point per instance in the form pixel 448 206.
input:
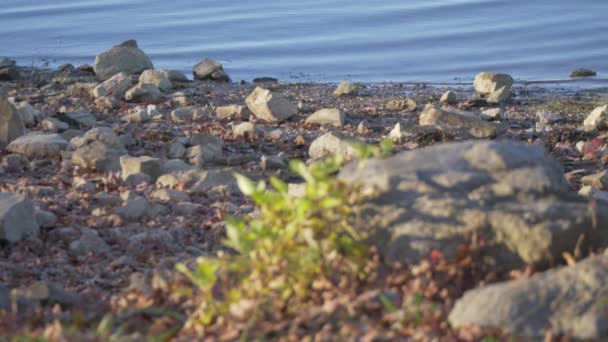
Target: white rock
pixel 146 165
pixel 159 78
pixel 327 116
pixel 270 107
pixel 598 118
pixel 346 88
pixel 116 86
pixel 143 92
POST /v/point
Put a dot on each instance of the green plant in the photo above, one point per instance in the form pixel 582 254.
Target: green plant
pixel 291 246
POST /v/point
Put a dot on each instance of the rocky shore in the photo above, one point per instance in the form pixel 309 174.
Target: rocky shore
pixel 495 201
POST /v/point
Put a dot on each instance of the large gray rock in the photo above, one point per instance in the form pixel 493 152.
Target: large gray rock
pixel 206 148
pixel 115 86
pixel 270 107
pixel 11 124
pixel 125 57
pixel 146 165
pixel 568 300
pixel 458 122
pixel 36 146
pixel 29 115
pixel 509 195
pixel 79 119
pixel 17 217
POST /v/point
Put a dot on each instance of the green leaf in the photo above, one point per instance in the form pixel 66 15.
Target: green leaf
pixel 246 185
pixel 279 185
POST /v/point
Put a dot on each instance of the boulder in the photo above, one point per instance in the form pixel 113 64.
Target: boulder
pixel 37 146
pixel 270 107
pixel 99 149
pixel 458 122
pixel 495 87
pixel 116 86
pixel 28 114
pixel 567 300
pixel 175 76
pixel 207 148
pixel 209 69
pixel 17 217
pixel 143 92
pixel 11 124
pixel 346 88
pixel 9 73
pixel 333 144
pixel 125 57
pixel 598 118
pixel 146 165
pixel 79 119
pixel 508 194
pixel 327 116
pixel 159 78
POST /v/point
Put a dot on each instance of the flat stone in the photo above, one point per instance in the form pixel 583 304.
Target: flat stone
pixel 346 88
pixel 511 195
pixel 11 124
pixel 116 85
pixel 233 111
pixel 582 72
pixel 125 57
pixel 143 92
pixel 332 144
pixel 198 181
pixel 566 300
pixel 17 217
pixel 327 116
pixel 169 195
pixel 79 119
pixel 37 146
pixel 188 113
pixel 458 122
pixel 146 165
pixel 270 107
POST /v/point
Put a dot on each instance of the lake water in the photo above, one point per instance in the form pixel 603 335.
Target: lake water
pixel 321 40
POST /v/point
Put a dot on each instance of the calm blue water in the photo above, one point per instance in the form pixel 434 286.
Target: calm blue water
pixel 323 40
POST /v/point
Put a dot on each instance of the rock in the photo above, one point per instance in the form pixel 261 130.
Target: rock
pixel 273 162
pixel 175 76
pixel 136 179
pixel 5 298
pixel 6 63
pixel 38 146
pixel 9 74
pixel 46 293
pixel 270 107
pixel 448 98
pixel 140 115
pixel 142 243
pixel 209 69
pixel 198 181
pixel 233 111
pixel 100 149
pixel 187 208
pixel 17 217
pixel 346 88
pixel 134 209
pixel 28 113
pixel 14 163
pixel 79 119
pixel 396 134
pixel 593 193
pixel 143 92
pixel 582 73
pixel 406 105
pixel 207 148
pixel 169 195
pixel 275 134
pixel 126 57
pixel 45 219
pixel 11 124
pixel 175 149
pixel 80 89
pixel 327 116
pixel 116 86
pixel 146 165
pixel 54 125
pixel 159 78
pixel 363 127
pixel 492 114
pixel 463 123
pixel 598 118
pixel 510 195
pixel 89 242
pixel 244 129
pixel 107 103
pixel 187 113
pixel 567 300
pixel 496 87
pixel 598 180
pixel 332 144
pixel 265 79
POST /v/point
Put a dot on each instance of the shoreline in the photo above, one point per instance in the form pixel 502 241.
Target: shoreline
pixel 130 180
